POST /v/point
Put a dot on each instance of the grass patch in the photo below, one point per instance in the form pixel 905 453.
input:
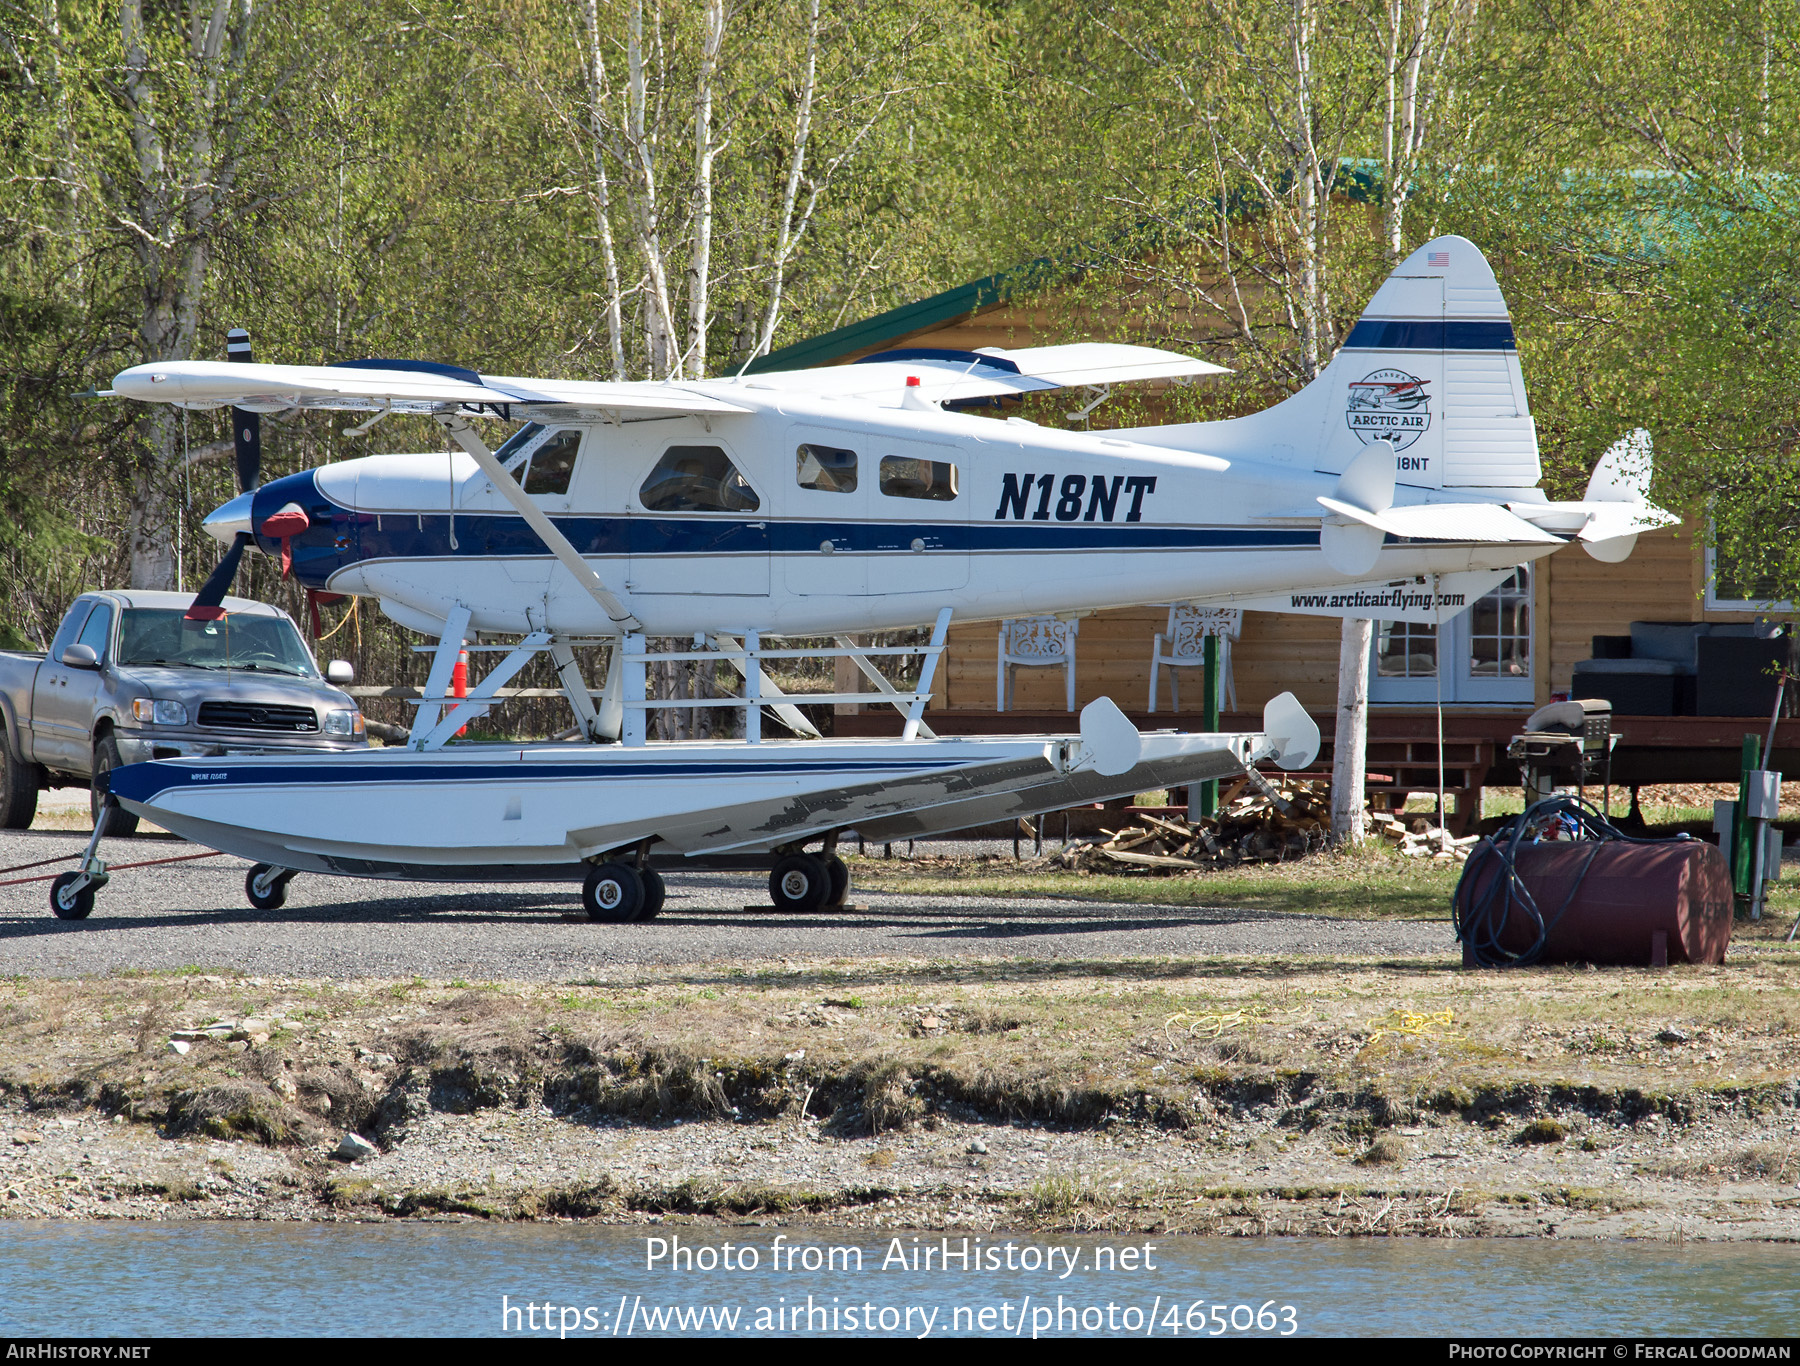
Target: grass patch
pixel 1371 883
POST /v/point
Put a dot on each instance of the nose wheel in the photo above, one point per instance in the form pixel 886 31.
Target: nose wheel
pixel 72 896
pixel 266 886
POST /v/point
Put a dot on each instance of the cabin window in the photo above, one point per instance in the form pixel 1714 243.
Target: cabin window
pixel 697 479
pixel 1500 630
pixel 552 463
pixel 1733 586
pixel 904 477
pixel 512 450
pixel 830 469
pixel 1405 649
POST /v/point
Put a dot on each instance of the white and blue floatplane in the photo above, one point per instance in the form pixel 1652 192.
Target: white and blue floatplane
pixel 860 498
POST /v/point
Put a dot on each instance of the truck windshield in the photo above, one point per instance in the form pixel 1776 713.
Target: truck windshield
pixel 151 635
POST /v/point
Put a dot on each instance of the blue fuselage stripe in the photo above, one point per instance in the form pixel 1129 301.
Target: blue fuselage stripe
pixel 340 537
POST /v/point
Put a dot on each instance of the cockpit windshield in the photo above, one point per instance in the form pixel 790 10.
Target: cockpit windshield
pixel 238 640
pixel 513 447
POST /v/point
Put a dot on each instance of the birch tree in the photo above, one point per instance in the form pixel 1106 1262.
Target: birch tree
pixel 711 135
pixel 159 138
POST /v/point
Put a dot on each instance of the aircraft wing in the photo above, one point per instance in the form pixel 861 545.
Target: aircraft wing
pixel 941 375
pixel 405 386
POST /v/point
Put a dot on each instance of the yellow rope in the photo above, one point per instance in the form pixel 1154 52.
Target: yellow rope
pixel 1411 1024
pixel 354 614
pixel 1212 1023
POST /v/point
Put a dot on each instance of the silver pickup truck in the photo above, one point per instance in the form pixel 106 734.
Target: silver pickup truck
pixel 127 679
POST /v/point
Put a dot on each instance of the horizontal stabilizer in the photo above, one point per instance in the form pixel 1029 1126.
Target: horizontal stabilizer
pixel 1484 522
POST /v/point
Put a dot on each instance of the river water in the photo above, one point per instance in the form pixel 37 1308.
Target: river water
pixel 463 1279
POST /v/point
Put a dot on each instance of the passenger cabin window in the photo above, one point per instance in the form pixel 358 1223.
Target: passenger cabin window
pixel 904 477
pixel 697 479
pixel 830 469
pixel 552 463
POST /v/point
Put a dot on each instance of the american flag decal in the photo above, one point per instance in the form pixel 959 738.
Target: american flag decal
pixel 1438 258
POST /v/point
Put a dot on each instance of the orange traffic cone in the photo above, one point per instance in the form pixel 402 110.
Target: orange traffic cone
pixel 459 679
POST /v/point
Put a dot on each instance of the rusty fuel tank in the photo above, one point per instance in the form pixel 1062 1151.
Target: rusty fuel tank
pixel 1634 905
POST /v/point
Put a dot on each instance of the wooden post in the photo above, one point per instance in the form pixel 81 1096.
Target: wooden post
pixel 1348 766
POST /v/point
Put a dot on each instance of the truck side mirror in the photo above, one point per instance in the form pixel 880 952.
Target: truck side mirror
pixel 340 672
pixel 81 657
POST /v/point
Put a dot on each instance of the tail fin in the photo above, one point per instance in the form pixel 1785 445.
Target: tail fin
pixel 1431 367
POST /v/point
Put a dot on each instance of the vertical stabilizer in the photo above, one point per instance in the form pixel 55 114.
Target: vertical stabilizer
pixel 1430 367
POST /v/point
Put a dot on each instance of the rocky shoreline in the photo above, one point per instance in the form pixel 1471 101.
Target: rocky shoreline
pixel 1123 1097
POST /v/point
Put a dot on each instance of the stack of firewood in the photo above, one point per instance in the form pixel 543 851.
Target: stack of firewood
pixel 1419 838
pixel 1257 821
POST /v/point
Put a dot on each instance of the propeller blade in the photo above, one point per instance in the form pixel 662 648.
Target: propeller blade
pixel 246 426
pixel 206 602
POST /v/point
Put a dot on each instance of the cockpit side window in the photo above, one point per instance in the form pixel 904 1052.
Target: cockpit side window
pixel 697 479
pixel 553 462
pixel 903 476
pixel 830 469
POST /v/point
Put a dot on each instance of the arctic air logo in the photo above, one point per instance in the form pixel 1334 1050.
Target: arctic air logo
pixel 1391 404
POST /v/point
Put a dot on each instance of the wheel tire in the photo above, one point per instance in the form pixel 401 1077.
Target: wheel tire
pixel 839 874
pixel 654 892
pixel 614 893
pixel 799 884
pixel 273 899
pixel 76 906
pixel 120 824
pixel 18 789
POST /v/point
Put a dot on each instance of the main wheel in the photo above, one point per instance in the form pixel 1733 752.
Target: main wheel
pixel 839 873
pixel 119 822
pixel 71 905
pixel 654 892
pixel 266 887
pixel 799 884
pixel 18 788
pixel 613 892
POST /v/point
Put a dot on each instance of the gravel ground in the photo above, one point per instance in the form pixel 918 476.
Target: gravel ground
pixel 195 913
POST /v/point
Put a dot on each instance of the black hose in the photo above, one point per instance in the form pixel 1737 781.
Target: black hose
pixel 1479 929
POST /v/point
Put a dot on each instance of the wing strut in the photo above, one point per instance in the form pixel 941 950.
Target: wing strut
pixel 463 435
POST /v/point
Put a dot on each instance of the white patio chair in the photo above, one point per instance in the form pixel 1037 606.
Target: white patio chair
pixel 1035 643
pixel 1186 638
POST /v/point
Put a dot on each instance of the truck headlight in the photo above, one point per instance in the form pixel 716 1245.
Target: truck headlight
pixel 159 713
pixel 343 723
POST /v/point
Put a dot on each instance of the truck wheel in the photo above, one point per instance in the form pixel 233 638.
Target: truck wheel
pixel 266 891
pixel 799 884
pixel 18 789
pixel 120 823
pixel 67 905
pixel 613 892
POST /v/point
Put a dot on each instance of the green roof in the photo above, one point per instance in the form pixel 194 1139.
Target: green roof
pixel 905 320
